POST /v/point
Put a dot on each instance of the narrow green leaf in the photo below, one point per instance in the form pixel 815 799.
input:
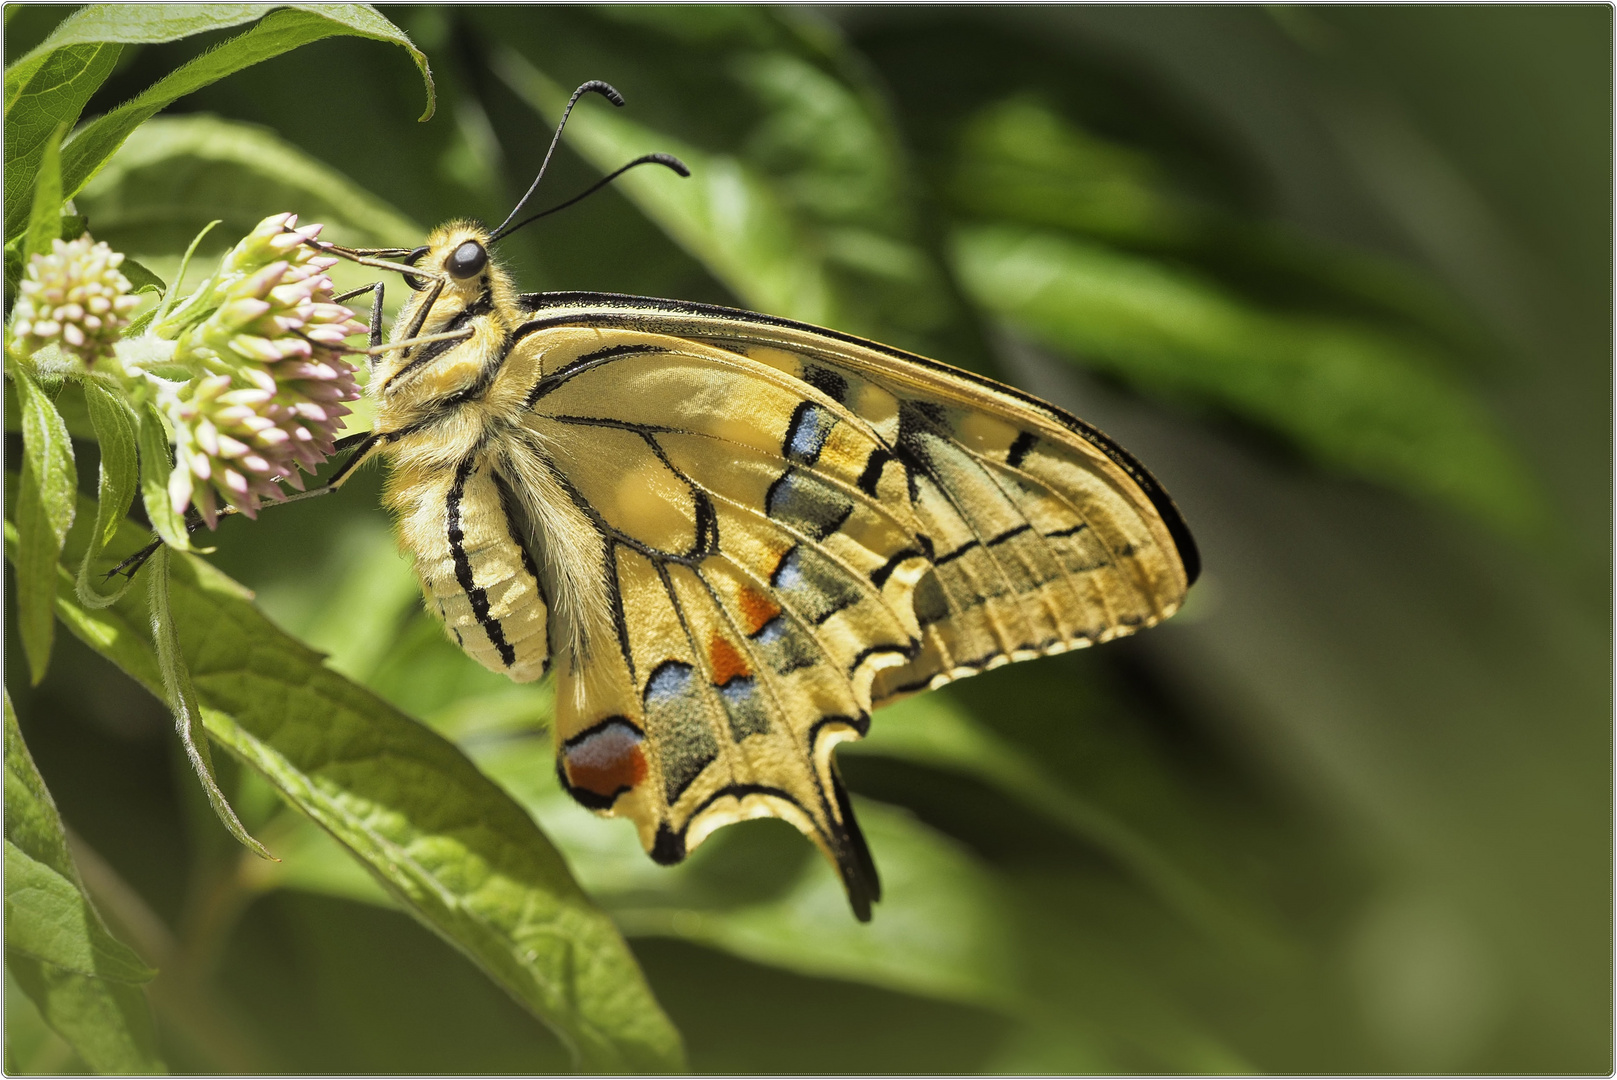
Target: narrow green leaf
pixel 1361 401
pixel 107 1022
pixel 44 220
pixel 31 819
pixel 174 174
pixel 278 32
pixel 44 91
pixel 44 512
pixel 49 919
pixel 181 697
pixel 174 295
pixel 453 848
pixel 156 462
pixel 128 24
pixel 116 429
pixel 151 23
pixel 51 84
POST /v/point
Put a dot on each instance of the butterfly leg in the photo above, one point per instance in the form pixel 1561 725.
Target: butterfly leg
pixel 362 444
pixel 377 288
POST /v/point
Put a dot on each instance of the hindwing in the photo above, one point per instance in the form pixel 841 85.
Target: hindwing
pixel 789 527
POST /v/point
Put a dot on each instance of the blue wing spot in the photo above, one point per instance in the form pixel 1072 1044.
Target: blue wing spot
pixel 669 681
pixel 805 437
pixel 737 690
pixel 789 573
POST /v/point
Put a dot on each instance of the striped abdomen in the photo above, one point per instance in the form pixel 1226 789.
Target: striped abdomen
pixel 476 574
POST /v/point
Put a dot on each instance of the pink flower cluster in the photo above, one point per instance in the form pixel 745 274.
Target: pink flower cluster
pixel 266 330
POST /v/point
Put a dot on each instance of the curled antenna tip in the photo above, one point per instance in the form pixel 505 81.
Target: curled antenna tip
pixel 668 161
pixel 605 89
pixel 671 161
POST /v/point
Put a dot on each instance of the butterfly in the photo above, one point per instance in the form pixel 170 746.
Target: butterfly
pixel 731 536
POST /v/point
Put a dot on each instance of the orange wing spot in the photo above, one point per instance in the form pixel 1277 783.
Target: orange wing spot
pixel 727 662
pixel 757 609
pixel 606 762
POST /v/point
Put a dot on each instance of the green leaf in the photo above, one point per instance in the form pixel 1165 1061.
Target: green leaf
pixel 278 32
pixel 107 1023
pixel 938 932
pixel 806 210
pixel 175 174
pixel 116 428
pixel 44 220
pixel 761 891
pixel 49 919
pixel 936 731
pixel 152 23
pixel 181 698
pixel 43 512
pixel 1020 161
pixel 1356 399
pixel 156 462
pixel 31 820
pixel 140 278
pixel 87 996
pixel 43 92
pixel 453 848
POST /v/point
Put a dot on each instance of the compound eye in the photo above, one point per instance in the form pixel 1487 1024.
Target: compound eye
pixel 467 260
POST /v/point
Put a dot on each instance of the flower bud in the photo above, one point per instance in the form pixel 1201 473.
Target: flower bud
pixel 74 297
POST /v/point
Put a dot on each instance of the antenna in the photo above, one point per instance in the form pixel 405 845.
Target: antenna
pixel 594 86
pixel 666 160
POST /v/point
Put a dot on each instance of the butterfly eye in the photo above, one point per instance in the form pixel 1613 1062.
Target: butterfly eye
pixel 415 283
pixel 467 260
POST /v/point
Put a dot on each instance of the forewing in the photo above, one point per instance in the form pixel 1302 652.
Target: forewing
pixel 1042 534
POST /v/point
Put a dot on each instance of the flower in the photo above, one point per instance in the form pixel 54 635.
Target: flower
pixel 74 297
pixel 268 338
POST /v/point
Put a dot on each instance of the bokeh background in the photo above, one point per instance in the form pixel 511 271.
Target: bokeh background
pixel 1340 276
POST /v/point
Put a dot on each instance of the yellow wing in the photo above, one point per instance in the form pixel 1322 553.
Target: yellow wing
pixel 798 526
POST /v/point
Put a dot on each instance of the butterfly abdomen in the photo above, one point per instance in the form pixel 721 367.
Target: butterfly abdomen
pixel 476 572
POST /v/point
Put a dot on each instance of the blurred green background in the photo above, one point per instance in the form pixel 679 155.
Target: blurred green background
pixel 1339 276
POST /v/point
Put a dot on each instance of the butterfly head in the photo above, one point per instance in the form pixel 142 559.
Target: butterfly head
pixel 459 252
pixel 461 311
